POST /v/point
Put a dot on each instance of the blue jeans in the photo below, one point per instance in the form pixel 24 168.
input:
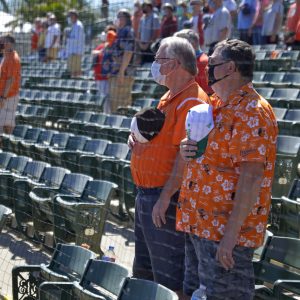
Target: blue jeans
pixel 202 267
pixel 256 36
pixel 159 252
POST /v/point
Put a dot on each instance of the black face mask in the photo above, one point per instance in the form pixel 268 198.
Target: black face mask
pixel 211 74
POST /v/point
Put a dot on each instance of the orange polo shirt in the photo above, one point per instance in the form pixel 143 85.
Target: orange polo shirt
pixel 152 162
pixel 245 131
pixel 10 68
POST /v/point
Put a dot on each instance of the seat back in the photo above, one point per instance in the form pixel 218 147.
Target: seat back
pixel 34 169
pixel 117 150
pixel 76 142
pixel 53 176
pixel 279 254
pixel 5 158
pixel 20 130
pixel 137 289
pixel 280 113
pixel 17 164
pixel 113 120
pixel 126 122
pixel 98 119
pixel 288 145
pixel 60 140
pixel 293 115
pixel 46 136
pixel 83 116
pixel 70 260
pixel 4 213
pixel 294 192
pixel 96 146
pixel 98 191
pixel 74 183
pixel 32 134
pixel 106 275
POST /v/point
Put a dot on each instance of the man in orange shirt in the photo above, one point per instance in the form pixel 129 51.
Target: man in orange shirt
pixel 292 26
pixel 157 168
pixel 226 193
pixel 10 76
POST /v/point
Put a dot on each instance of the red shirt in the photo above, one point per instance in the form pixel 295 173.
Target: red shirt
pixel 168 26
pixel 98 65
pixel 201 77
pixel 200 30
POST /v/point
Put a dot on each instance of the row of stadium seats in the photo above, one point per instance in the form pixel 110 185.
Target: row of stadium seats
pixel 76 273
pixel 276 79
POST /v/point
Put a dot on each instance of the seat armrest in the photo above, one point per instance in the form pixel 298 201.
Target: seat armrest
pixel 286 285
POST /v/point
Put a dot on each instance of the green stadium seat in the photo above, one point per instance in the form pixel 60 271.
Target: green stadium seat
pixel 291 123
pixel 292 80
pixel 136 289
pixel 80 117
pixel 265 92
pixel 278 267
pixel 5 212
pixel 44 176
pixel 58 141
pixel 101 280
pixel 31 136
pixel 5 159
pixel 42 199
pixel 279 113
pixel 285 95
pixel 82 219
pixel 258 79
pixel 56 156
pixel 67 264
pixel 15 167
pixel 286 167
pixel 274 79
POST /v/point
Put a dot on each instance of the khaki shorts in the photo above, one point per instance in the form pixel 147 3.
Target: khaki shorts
pixel 74 63
pixel 120 94
pixel 52 53
pixel 8 112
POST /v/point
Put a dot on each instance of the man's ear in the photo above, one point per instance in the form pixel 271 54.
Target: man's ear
pixel 232 66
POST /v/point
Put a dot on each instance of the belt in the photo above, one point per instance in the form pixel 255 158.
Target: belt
pixel 149 191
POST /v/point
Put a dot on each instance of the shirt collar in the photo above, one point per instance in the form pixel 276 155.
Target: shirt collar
pixel 236 96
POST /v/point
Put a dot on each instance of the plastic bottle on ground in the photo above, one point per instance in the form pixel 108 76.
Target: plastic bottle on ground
pixel 200 293
pixel 109 255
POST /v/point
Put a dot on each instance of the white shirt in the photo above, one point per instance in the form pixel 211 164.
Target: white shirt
pixel 75 39
pixel 230 5
pixel 195 23
pixel 52 31
pixel 220 20
pixel 269 18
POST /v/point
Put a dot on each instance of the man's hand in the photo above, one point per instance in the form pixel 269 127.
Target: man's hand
pixel 188 149
pixel 225 249
pixel 131 142
pixel 159 211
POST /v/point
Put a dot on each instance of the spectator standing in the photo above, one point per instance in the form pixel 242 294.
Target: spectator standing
pixel 41 42
pixel 256 27
pixel 292 27
pixel 148 32
pixel 226 193
pixel 246 14
pixel 35 35
pixel 197 21
pixel 231 7
pixel 219 25
pixel 75 44
pixel 202 59
pixel 10 77
pixel 52 39
pixel 159 250
pixel 136 18
pixel 169 22
pixel 272 22
pixel 122 71
pixel 101 70
pixel 182 14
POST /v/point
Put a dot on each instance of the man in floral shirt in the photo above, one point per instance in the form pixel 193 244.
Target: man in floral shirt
pixel 225 194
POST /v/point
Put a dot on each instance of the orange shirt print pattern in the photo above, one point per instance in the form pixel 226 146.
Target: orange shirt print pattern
pixel 245 131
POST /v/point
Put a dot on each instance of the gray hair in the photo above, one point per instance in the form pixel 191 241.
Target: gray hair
pixel 190 35
pixel 182 50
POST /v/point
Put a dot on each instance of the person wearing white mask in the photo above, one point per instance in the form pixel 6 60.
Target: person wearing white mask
pixel 157 168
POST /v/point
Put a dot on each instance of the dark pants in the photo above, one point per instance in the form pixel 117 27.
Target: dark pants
pixel 159 252
pixel 201 267
pixel 244 36
pixel 266 39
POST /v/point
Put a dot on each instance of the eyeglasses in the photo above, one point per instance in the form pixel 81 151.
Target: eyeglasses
pixel 156 59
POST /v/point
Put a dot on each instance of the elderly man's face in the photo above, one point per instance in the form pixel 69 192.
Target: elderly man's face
pixel 218 68
pixel 167 63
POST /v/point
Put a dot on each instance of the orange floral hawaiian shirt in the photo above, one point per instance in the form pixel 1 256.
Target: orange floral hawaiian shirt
pixel 245 131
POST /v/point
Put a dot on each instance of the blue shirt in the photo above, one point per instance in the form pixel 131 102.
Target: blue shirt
pixel 245 20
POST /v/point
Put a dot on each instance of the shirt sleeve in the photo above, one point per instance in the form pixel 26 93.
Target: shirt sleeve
pixel 250 138
pixel 232 5
pixel 224 20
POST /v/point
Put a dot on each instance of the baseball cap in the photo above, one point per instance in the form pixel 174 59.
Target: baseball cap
pixel 199 122
pixel 147 123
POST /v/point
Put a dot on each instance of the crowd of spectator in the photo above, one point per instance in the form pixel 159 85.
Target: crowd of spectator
pixel 133 38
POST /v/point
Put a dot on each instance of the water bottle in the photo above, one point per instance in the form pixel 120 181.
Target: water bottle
pixel 199 294
pixel 109 255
